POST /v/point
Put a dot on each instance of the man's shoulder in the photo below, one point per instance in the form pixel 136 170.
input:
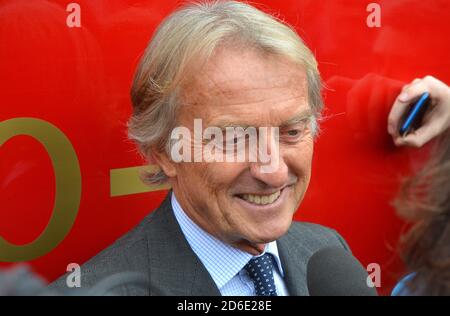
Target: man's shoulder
pixel 314 236
pixel 122 253
pixel 127 254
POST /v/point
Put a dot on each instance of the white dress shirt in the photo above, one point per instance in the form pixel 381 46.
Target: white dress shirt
pixel 224 262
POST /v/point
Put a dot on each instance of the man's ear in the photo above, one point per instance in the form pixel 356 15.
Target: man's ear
pixel 164 162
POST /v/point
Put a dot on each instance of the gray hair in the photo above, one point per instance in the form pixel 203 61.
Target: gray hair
pixel 190 34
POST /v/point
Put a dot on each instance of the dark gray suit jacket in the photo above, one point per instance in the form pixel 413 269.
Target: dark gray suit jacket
pixel 158 249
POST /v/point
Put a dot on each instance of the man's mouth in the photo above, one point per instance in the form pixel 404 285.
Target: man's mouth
pixel 260 199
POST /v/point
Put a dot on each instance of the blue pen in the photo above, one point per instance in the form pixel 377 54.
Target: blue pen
pixel 415 113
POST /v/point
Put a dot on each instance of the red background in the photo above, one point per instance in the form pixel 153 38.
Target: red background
pixel 79 79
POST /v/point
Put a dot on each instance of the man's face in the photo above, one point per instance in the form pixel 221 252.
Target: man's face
pixel 236 201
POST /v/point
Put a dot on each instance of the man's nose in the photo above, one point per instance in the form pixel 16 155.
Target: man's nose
pixel 276 178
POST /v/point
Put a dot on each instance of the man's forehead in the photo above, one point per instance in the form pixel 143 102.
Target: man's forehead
pixel 253 109
pixel 270 90
pixel 244 90
pixel 233 72
pixel 249 90
pixel 280 120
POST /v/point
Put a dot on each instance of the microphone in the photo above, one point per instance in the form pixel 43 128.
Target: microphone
pixel 334 271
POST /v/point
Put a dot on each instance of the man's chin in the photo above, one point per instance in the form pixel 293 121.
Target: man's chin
pixel 268 233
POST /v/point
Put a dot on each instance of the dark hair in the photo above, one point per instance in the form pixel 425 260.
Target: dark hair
pixel 425 198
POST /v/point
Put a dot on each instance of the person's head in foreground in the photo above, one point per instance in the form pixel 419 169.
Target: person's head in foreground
pixel 425 198
pixel 230 65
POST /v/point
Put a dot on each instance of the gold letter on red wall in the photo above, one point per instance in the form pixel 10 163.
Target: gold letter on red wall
pixel 68 187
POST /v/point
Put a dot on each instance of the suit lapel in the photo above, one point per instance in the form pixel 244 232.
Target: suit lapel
pixel 293 256
pixel 174 268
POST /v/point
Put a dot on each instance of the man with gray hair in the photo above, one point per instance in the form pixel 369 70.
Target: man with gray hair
pixel 225 227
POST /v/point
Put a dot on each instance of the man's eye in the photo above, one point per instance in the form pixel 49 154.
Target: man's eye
pixel 237 139
pixel 292 135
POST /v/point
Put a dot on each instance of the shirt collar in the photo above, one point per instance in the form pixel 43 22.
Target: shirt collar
pixel 212 252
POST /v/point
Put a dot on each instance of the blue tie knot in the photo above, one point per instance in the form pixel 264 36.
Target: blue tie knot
pixel 260 271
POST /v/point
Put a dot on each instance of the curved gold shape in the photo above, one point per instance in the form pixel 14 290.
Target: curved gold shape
pixel 68 187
